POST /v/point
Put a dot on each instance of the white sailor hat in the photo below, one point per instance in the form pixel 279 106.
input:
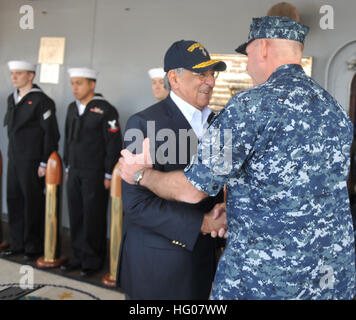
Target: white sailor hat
pixel 21 65
pixel 82 73
pixel 156 73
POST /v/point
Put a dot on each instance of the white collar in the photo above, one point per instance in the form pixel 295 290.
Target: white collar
pixel 18 98
pixel 94 98
pixel 188 110
pixel 195 117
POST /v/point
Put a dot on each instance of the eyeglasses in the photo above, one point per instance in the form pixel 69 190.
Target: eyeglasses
pixel 205 75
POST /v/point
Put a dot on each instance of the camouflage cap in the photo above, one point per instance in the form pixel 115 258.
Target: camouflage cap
pixel 273 27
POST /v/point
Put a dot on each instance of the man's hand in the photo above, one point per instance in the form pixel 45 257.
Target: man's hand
pixel 214 222
pixel 218 211
pixel 130 163
pixel 41 171
pixel 171 185
pixel 107 183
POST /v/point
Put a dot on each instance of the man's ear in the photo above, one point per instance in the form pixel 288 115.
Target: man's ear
pixel 92 84
pixel 263 47
pixel 31 75
pixel 173 79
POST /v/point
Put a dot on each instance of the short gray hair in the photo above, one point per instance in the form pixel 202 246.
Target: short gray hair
pixel 167 85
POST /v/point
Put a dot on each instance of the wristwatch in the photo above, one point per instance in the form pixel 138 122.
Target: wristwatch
pixel 138 175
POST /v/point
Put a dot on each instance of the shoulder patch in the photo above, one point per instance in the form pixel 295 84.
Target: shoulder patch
pixel 47 114
pixel 113 126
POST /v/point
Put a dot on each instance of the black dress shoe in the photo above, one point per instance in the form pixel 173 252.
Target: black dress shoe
pixel 10 252
pixel 85 273
pixel 68 267
pixel 3 246
pixel 31 256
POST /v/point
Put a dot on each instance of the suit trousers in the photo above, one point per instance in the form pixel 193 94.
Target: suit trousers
pixel 87 204
pixel 26 206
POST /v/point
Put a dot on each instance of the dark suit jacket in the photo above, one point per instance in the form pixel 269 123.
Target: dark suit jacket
pixel 163 254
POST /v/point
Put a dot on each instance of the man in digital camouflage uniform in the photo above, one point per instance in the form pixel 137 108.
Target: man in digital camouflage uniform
pixel 290 233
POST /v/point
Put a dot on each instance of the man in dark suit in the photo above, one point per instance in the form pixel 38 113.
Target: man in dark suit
pixel 166 252
pixel 33 135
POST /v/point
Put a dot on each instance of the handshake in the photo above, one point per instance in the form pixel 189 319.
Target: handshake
pixel 214 222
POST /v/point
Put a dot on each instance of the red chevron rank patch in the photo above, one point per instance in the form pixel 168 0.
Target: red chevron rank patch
pixel 97 110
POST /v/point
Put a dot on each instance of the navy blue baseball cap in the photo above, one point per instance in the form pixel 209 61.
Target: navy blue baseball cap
pixel 273 27
pixel 190 55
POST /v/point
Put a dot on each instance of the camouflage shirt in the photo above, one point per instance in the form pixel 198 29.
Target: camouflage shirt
pixel 283 152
